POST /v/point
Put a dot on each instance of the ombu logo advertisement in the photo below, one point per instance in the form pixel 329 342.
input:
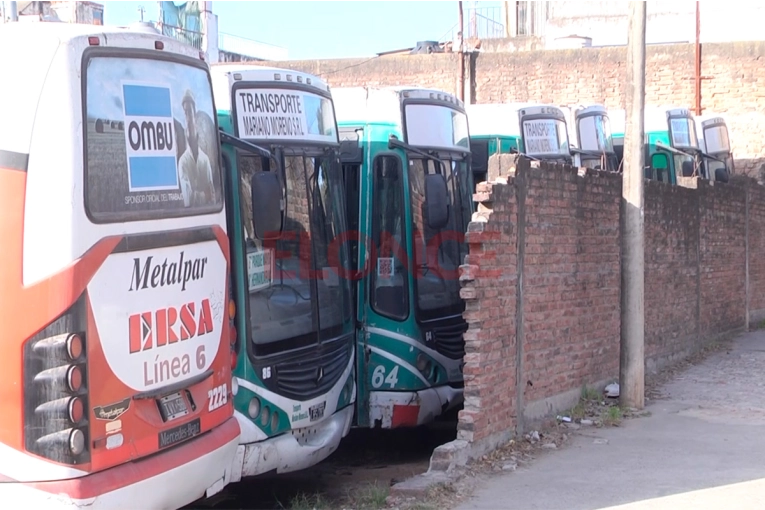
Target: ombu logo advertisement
pixel 152 154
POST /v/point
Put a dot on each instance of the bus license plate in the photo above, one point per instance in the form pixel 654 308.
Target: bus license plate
pixel 173 406
pixel 317 412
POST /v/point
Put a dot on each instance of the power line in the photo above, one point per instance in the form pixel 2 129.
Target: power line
pixel 351 66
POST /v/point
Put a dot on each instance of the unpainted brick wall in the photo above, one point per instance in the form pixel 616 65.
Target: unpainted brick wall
pixel 756 249
pixel 489 281
pixel 571 279
pixel 542 283
pixel 671 282
pixel 733 81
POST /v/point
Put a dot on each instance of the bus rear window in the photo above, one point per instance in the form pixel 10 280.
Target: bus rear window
pixel 151 142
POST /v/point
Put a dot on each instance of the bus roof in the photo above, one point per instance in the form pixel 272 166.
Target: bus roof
pixel 501 119
pixel 29 36
pixel 655 119
pixel 383 104
pixel 53 51
pixel 494 119
pixel 221 73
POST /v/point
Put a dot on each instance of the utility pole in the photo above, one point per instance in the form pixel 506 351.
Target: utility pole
pixel 697 59
pixel 632 362
pixel 461 52
pixel 141 10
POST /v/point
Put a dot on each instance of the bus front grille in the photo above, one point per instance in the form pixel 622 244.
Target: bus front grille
pixel 449 337
pixel 315 371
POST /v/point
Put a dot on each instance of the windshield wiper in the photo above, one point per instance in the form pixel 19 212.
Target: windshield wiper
pixel 395 143
pixel 243 145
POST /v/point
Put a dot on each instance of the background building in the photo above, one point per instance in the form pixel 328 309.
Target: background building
pixel 91 13
pixel 604 23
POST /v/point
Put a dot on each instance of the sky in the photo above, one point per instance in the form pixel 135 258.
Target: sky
pixel 321 29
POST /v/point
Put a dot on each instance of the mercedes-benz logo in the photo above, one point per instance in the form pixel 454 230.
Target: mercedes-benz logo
pixel 319 375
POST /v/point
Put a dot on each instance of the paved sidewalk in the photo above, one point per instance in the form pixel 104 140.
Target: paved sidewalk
pixel 703 447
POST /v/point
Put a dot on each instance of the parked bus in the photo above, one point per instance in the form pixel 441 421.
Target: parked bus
pixel 116 357
pixel 406 164
pixel 714 141
pixel 575 135
pixel 294 382
pixel 592 143
pixel 672 146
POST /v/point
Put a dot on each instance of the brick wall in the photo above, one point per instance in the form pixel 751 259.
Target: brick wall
pixel 490 295
pixel 671 271
pixel 733 81
pixel 756 249
pixel 571 280
pixel 542 284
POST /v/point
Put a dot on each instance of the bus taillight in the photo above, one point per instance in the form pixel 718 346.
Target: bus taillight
pixel 55 390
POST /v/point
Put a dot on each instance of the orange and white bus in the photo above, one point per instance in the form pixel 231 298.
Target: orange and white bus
pixel 117 344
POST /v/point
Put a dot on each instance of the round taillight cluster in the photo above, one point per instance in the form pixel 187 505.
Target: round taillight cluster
pixel 74 347
pixel 74 378
pixel 76 410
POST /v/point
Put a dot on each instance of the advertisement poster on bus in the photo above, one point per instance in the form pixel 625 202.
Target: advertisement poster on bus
pixel 280 114
pixel 151 138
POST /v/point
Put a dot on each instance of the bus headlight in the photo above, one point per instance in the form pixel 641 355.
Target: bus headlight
pixel 254 408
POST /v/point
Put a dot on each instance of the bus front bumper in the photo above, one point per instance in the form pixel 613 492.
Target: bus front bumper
pixel 291 451
pixel 167 480
pixel 394 409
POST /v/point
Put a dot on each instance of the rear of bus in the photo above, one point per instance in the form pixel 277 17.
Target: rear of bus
pixel 116 352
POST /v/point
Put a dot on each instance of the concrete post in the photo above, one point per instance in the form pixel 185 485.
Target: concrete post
pixel 210 34
pixel 632 362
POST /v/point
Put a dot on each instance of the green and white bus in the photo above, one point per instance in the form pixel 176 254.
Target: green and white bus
pixel 294 379
pixel 579 135
pixel 673 147
pixel 406 163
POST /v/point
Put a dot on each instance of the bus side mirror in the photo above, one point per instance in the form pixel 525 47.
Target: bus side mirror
pixel 267 203
pixel 721 174
pixel 436 201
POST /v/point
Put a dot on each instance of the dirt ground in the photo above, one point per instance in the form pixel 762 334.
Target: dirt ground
pixel 358 476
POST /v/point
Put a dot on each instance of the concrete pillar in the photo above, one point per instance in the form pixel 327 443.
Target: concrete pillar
pixel 210 34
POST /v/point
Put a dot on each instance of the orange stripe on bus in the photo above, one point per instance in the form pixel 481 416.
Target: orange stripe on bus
pixel 130 473
pixel 24 311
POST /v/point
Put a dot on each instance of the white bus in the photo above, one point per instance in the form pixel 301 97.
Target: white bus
pixel 116 352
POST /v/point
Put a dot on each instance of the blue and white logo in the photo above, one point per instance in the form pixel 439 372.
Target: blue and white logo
pixel 150 138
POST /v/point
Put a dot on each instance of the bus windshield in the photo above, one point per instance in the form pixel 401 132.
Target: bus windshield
pixel 439 253
pixel 296 283
pixel 595 133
